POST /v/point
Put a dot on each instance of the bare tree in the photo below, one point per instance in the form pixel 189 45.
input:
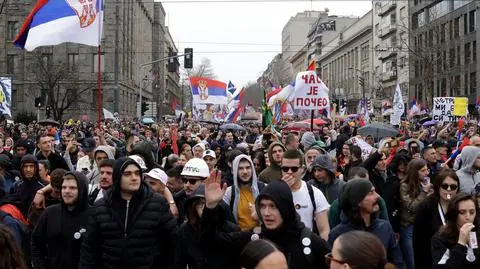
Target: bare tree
pixel 59 83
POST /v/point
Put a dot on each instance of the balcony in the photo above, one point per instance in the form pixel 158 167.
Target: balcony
pixel 387 30
pixel 386 7
pixel 387 76
pixel 387 54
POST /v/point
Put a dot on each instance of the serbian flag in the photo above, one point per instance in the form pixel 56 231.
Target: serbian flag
pixel 52 22
pixel 208 91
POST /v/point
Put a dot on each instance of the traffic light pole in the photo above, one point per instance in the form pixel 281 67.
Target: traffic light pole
pixel 139 114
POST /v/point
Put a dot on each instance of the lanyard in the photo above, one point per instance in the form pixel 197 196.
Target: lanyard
pixel 440 212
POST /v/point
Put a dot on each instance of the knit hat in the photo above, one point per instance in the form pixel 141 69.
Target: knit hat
pixel 354 192
pixel 308 139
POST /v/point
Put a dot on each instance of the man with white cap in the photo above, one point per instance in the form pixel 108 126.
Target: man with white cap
pixel 198 150
pixel 157 180
pixel 210 158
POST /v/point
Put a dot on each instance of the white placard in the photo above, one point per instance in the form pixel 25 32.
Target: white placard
pixel 443 109
pixel 310 92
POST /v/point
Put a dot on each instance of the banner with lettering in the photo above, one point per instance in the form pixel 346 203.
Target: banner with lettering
pixel 310 92
pixel 443 109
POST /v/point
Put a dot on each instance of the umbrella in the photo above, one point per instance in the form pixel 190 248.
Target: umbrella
pixel 248 117
pixel 430 123
pixel 147 121
pixel 378 130
pixel 299 126
pixel 49 122
pixel 316 121
pixel 232 126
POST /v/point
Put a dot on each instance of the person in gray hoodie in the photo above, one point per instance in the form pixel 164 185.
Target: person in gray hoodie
pixel 242 194
pixel 323 177
pixel 468 173
pixel 100 153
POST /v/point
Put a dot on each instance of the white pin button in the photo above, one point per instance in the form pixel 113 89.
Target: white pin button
pixel 307 251
pixel 306 241
pixel 77 235
pixel 254 237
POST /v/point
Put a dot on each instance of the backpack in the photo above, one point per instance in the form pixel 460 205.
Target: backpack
pixel 260 186
pixel 312 199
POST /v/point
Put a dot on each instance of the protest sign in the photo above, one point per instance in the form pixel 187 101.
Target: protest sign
pixel 310 92
pixel 460 106
pixel 443 109
pixel 364 146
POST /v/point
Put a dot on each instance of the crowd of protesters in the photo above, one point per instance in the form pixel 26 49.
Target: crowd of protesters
pixel 128 195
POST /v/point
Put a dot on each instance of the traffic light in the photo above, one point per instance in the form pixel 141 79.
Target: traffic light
pixel 188 58
pixel 38 101
pixel 144 108
pixel 361 81
pixel 172 62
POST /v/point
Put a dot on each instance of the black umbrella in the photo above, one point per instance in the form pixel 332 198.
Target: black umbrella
pixel 231 126
pixel 378 130
pixel 49 122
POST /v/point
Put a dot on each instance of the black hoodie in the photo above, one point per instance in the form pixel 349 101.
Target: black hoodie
pixel 57 238
pixel 140 233
pixel 288 237
pixel 23 191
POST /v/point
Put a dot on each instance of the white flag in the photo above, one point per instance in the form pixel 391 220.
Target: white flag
pixel 398 106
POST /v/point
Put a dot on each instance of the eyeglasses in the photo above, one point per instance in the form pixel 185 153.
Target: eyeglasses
pixel 288 168
pixel 452 187
pixel 329 259
pixel 130 173
pixel 192 181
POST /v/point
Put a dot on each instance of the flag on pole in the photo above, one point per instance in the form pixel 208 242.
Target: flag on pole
pixel 52 22
pixel 235 106
pixel 312 66
pixel 231 88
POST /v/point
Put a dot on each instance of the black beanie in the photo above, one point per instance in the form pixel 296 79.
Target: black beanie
pixel 354 192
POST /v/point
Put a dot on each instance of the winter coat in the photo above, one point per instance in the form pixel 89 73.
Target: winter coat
pixel 287 238
pixel 468 175
pixel 409 204
pixel 451 255
pixel 380 228
pixel 335 212
pixel 427 223
pixel 57 238
pixel 388 188
pixel 56 161
pixel 273 172
pixel 139 233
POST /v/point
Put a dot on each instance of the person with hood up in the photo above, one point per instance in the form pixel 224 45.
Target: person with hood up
pixel 99 154
pixel 24 190
pixel 132 227
pixel 274 171
pixel 468 173
pixel 57 238
pixel 242 194
pixel 323 177
pixel 193 254
pixel 360 205
pixel 279 220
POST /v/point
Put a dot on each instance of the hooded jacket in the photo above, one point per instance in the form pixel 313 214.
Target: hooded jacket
pixel 330 190
pixel 23 191
pixel 58 236
pixel 274 171
pixel 288 237
pixel 94 176
pixel 139 233
pixel 236 188
pixel 468 175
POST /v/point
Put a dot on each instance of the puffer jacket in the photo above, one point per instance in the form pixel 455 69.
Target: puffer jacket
pixel 140 233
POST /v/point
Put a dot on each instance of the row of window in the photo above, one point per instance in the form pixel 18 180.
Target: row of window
pixel 429 15
pixel 12 64
pixel 456 87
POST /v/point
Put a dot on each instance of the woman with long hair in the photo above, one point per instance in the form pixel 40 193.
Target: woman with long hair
pixel 431 215
pixel 259 161
pixel 415 188
pixel 11 256
pixel 455 245
pixel 398 166
pixel 358 250
pixel 262 254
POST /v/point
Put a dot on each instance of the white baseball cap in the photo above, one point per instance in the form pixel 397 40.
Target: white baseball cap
pixel 158 174
pixel 210 153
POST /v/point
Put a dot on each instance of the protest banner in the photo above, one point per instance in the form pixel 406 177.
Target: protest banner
pixel 364 146
pixel 310 92
pixel 443 109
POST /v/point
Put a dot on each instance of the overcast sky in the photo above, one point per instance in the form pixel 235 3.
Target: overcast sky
pixel 241 39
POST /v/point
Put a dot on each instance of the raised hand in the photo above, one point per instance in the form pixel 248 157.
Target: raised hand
pixel 214 190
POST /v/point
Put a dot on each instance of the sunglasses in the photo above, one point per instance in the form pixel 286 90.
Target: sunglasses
pixel 192 181
pixel 288 168
pixel 452 187
pixel 329 259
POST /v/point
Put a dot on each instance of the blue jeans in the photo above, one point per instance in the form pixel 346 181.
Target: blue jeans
pixel 406 244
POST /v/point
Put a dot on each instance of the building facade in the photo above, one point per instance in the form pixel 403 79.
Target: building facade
pixel 173 92
pixel 347 61
pixel 294 38
pixel 133 33
pixel 390 44
pixel 443 45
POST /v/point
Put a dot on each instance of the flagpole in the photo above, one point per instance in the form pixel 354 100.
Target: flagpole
pixel 99 50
